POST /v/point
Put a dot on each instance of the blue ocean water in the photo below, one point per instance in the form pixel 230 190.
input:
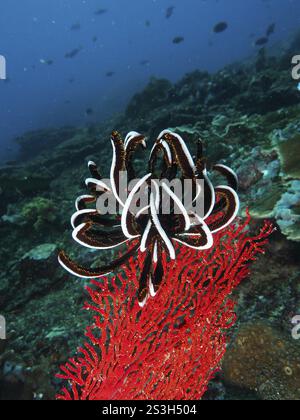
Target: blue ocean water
pixel 117 46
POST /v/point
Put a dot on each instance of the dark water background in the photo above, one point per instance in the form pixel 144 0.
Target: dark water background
pixel 40 95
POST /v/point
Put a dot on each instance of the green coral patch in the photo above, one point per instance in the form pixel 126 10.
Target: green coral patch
pixel 264 206
pixel 289 151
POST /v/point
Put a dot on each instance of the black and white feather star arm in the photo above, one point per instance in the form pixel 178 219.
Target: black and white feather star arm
pixel 96 185
pixel 229 174
pixel 83 200
pixel 89 215
pixel 160 146
pixel 126 213
pixel 184 161
pixel 232 181
pixel 230 212
pixel 118 165
pixel 209 195
pixel 84 235
pixel 156 222
pixel 199 236
pixel 94 170
pixel 80 216
pixel 132 143
pixel 182 154
pixel 132 135
pixel 179 204
pixel 93 273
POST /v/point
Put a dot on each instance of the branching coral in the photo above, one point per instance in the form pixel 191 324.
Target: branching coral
pixel 172 347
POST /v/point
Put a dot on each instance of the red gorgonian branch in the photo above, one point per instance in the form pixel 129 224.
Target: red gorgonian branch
pixel 172 347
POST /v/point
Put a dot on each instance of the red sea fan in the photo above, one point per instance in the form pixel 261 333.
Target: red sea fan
pixel 170 349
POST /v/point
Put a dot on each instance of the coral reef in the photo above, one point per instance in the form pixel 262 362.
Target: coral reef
pixel 33 143
pixel 248 113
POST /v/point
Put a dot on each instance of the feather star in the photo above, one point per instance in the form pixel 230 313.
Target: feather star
pixel 149 230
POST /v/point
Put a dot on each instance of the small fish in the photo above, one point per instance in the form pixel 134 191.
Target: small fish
pixel 75 27
pixel 110 73
pixel 95 38
pixel 220 27
pixel 271 29
pixel 73 53
pixel 148 23
pixel 89 112
pixel 47 62
pixel 144 62
pixel 100 12
pixel 261 41
pixel 169 12
pixel 178 40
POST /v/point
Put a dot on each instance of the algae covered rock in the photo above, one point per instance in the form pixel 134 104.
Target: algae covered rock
pixel 38 213
pixel 35 273
pixel 34 215
pixel 39 263
pixel 264 360
pixel 41 253
pixel 18 183
pixel 156 94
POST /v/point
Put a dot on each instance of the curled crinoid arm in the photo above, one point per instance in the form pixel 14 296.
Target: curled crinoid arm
pixel 198 237
pixel 229 174
pixel 90 273
pixel 182 155
pixel 229 212
pixel 232 182
pixel 158 167
pixel 94 170
pixel 183 160
pixel 144 279
pixel 200 160
pixel 202 175
pixel 158 270
pixel 132 142
pixel 96 186
pixel 118 164
pixel 85 214
pixel 89 215
pixel 98 239
pixel 130 228
pixel 83 200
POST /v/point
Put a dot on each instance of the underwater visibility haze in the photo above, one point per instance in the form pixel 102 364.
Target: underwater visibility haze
pixel 208 91
pixel 116 51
